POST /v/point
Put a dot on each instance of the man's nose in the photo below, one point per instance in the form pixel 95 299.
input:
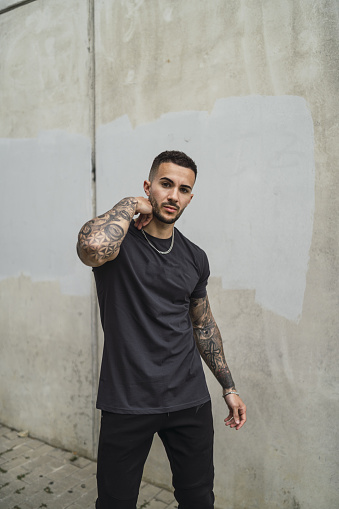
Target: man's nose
pixel 173 194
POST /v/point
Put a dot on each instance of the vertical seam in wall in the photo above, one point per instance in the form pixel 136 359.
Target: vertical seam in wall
pixel 94 308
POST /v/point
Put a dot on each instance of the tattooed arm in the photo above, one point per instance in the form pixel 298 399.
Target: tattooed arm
pixel 208 339
pixel 100 239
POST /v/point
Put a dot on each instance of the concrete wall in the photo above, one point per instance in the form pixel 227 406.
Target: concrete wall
pixel 47 370
pixel 248 89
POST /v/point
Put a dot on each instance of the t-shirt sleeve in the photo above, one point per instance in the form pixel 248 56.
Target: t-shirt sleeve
pixel 200 290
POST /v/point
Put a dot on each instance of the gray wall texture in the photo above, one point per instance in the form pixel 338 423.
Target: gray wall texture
pixel 90 93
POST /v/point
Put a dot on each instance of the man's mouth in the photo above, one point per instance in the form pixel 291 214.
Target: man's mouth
pixel 170 208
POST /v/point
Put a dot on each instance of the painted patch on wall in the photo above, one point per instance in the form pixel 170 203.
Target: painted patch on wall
pixel 45 197
pixel 254 197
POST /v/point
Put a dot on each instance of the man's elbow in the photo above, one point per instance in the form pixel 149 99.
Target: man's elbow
pixel 87 258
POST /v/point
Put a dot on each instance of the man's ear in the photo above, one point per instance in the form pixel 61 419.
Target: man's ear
pixel 147 186
pixel 191 197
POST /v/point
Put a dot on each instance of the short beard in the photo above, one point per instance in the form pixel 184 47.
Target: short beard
pixel 157 214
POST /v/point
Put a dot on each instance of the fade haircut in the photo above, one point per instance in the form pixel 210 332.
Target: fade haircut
pixel 175 157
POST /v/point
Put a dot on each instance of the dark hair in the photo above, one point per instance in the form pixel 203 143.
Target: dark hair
pixel 175 157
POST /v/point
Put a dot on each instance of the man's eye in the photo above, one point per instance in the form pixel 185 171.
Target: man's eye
pixel 184 190
pixel 165 184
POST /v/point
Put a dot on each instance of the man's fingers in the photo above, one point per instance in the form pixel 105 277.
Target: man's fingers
pixel 241 423
pixel 242 415
pixel 236 416
pixel 148 219
pixel 229 419
pixel 139 222
pixel 143 220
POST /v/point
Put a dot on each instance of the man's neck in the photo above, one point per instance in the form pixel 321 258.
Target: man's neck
pixel 159 229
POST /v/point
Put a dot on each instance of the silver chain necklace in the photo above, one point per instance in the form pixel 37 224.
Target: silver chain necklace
pixel 157 250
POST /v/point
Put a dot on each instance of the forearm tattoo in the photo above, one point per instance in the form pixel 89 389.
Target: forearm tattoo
pixel 209 342
pixel 101 237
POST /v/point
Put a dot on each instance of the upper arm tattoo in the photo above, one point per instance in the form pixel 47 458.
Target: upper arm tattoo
pixel 101 238
pixel 209 341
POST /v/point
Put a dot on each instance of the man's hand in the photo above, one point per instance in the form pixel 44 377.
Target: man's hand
pixel 145 211
pixel 237 415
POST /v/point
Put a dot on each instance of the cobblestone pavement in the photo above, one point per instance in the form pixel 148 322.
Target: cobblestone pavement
pixel 34 475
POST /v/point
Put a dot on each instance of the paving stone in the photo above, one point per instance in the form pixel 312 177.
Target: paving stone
pixel 23 450
pixel 165 496
pixel 61 454
pixel 40 498
pixel 89 497
pixel 43 463
pixel 38 486
pixel 9 503
pixel 30 490
pixel 35 475
pixel 16 499
pixel 9 454
pixel 81 462
pixel 148 492
pixel 62 485
pixel 156 504
pixel 173 505
pixel 32 443
pixel 13 463
pixel 2 462
pixel 11 473
pixel 4 447
pixel 89 484
pixel 16 443
pixel 8 485
pixel 68 497
pixel 11 434
pixel 61 472
pixel 44 449
pixel 84 473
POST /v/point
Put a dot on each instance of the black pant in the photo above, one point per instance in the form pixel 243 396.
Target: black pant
pixel 124 444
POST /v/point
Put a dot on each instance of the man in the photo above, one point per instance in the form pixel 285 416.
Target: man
pixel 151 284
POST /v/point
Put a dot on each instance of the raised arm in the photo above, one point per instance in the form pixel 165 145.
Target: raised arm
pixel 209 343
pixel 99 240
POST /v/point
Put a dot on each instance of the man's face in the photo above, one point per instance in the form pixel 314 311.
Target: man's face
pixel 170 191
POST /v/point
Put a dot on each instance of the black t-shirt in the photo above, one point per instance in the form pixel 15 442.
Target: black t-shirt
pixel 150 361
